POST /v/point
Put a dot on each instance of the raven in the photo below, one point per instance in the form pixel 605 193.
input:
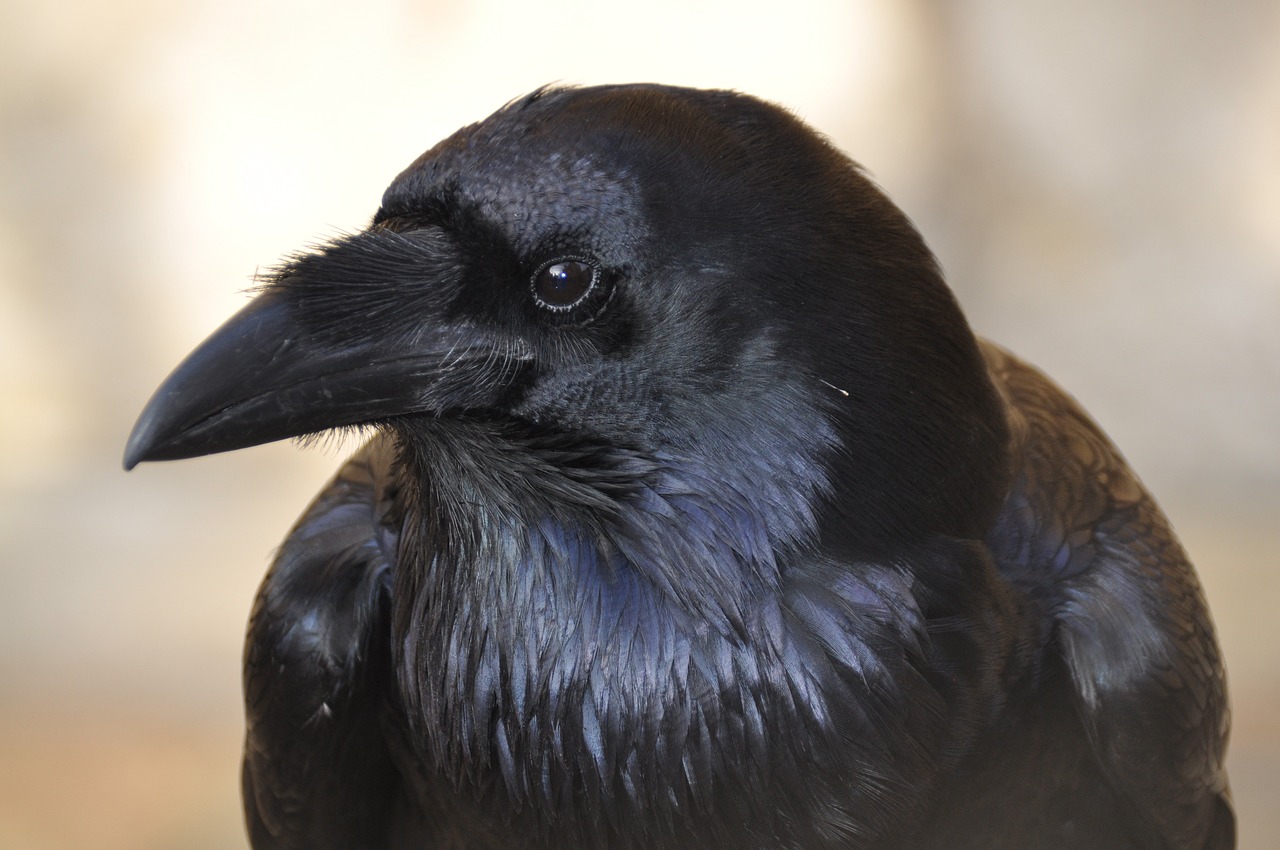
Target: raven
pixel 693 515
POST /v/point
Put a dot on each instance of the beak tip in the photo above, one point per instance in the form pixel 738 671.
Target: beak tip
pixel 138 446
pixel 153 434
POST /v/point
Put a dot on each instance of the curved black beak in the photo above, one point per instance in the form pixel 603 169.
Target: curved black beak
pixel 265 375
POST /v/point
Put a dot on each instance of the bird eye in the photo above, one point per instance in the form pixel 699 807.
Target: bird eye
pixel 563 284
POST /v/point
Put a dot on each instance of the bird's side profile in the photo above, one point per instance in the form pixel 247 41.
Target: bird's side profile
pixel 693 515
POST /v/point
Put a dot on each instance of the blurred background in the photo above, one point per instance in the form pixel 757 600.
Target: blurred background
pixel 1100 179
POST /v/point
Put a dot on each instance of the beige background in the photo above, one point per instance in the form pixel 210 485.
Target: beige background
pixel 1101 180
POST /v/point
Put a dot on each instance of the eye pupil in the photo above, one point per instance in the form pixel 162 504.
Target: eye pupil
pixel 563 284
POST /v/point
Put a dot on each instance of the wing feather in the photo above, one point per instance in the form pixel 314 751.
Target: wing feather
pixel 1126 612
pixel 316 772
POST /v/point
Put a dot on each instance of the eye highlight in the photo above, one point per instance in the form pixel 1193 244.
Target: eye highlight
pixel 564 284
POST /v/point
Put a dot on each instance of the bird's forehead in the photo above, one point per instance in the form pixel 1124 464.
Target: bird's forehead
pixel 541 189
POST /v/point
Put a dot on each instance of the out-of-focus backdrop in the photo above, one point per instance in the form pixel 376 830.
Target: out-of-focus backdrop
pixel 1101 180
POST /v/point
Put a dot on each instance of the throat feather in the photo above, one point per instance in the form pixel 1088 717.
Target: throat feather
pixel 560 628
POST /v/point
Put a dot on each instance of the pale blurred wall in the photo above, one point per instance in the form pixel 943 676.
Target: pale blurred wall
pixel 1101 181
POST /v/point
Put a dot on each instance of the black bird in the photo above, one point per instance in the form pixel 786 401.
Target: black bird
pixel 694 516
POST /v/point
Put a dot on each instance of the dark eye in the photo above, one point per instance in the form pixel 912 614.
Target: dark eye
pixel 562 284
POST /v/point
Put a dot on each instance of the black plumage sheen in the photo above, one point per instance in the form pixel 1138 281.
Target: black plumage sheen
pixel 695 517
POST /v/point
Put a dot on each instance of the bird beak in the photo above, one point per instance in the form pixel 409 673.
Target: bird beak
pixel 269 373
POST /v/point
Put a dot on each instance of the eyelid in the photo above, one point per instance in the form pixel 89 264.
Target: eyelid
pixel 595 298
pixel 591 287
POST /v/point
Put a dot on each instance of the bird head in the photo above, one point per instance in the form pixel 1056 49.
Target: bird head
pixel 681 273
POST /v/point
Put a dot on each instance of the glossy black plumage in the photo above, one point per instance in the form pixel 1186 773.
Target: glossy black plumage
pixel 729 534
